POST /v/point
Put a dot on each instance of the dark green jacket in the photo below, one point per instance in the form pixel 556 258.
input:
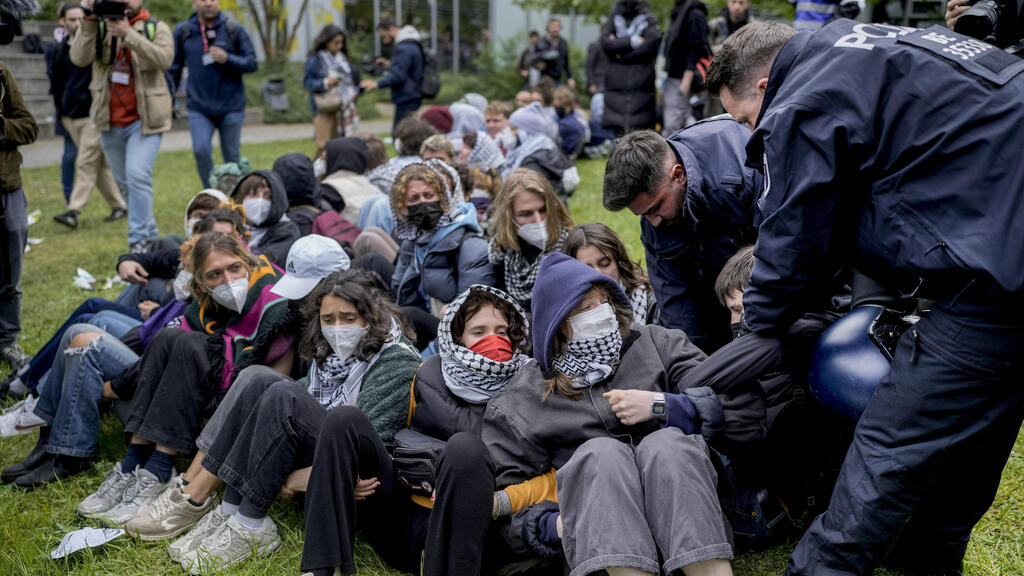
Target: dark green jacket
pixel 385 391
pixel 17 128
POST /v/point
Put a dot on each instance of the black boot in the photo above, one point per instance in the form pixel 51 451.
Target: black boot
pixel 34 459
pixel 54 467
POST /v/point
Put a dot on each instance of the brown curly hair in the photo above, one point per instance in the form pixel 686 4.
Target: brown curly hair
pixel 400 189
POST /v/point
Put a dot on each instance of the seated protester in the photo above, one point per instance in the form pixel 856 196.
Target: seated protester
pixel 529 222
pixel 362 368
pixel 302 188
pixel 602 139
pixel 345 188
pixel 232 307
pixel 571 129
pixel 440 117
pixel 539 152
pixel 409 136
pixel 225 176
pixel 486 183
pixel 442 253
pixel 354 486
pixel 471 142
pixel 86 369
pixel 149 275
pixel 496 122
pixel 599 247
pixel 311 259
pixel 377 153
pixel 261 193
pixel 440 147
pixel 478 101
pixel 584 407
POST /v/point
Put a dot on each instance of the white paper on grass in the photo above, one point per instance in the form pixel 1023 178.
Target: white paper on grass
pixel 34 216
pixel 83 273
pixel 84 538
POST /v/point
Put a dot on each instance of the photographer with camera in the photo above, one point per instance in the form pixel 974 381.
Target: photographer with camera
pixel 132 106
pixel 998 22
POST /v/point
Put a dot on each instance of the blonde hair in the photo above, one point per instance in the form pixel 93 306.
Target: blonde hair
pixel 560 383
pixel 423 173
pixel 438 143
pixel 496 107
pixel 504 231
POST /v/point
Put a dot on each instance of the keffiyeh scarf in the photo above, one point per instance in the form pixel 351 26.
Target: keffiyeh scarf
pixel 641 299
pixel 406 230
pixel 528 144
pixel 589 361
pixel 336 382
pixel 520 273
pixel 468 375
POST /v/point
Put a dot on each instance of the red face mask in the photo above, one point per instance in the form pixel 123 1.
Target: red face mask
pixel 496 347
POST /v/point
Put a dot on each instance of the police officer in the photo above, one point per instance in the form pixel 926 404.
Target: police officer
pixel 895 151
pixel 698 202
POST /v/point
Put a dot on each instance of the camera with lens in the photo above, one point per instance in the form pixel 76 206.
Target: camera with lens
pixel 110 9
pixel 371 67
pixel 992 21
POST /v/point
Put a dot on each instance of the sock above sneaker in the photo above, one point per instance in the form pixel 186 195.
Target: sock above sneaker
pixel 161 465
pixel 136 456
pixel 250 524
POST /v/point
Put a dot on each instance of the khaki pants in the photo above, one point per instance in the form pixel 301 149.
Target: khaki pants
pixel 91 169
pixel 325 127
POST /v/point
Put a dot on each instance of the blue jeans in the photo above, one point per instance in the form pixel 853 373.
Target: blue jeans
pixel 67 165
pixel 131 156
pixel 114 323
pixel 70 401
pixel 134 294
pixel 202 127
pixel 44 358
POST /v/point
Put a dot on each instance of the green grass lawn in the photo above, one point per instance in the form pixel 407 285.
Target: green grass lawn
pixel 31 524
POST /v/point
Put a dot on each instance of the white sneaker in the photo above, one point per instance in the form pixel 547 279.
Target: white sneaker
pixel 137 496
pixel 109 494
pixel 207 525
pixel 230 545
pixel 169 515
pixel 19 417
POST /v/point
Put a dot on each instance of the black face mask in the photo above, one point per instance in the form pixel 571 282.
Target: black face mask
pixel 425 214
pixel 630 10
pixel 562 112
pixel 735 328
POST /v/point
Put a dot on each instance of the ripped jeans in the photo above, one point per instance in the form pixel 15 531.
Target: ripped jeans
pixel 72 390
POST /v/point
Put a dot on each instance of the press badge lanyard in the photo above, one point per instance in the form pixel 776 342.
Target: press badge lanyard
pixel 207 58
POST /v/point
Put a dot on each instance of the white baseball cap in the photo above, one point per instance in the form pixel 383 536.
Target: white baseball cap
pixel 310 259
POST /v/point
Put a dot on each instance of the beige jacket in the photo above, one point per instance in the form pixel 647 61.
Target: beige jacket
pixel 150 59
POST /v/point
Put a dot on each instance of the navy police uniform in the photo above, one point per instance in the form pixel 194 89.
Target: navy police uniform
pixel 684 259
pixel 897 152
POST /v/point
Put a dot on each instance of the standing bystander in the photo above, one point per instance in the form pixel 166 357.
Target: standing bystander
pixel 405 69
pixel 551 55
pixel 67 162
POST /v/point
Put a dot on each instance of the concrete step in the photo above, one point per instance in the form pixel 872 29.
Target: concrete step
pixel 33 84
pixel 24 64
pixel 44 28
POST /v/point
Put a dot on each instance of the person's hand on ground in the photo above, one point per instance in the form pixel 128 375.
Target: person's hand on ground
pixel 365 488
pixel 218 54
pixel 132 272
pixel 146 308
pixel 631 406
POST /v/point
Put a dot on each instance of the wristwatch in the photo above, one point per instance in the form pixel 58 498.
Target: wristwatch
pixel 658 405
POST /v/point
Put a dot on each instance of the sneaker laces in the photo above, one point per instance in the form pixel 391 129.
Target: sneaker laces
pixel 164 503
pixel 110 482
pixel 132 490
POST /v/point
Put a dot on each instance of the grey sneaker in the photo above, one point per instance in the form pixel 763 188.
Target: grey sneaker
pixel 230 545
pixel 169 515
pixel 137 496
pixel 14 356
pixel 190 541
pixel 108 495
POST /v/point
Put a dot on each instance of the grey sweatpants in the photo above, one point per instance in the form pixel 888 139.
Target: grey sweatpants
pixel 622 506
pixel 262 377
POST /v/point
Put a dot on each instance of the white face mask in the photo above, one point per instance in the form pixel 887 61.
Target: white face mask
pixel 319 168
pixel 536 233
pixel 181 291
pixel 398 147
pixel 232 294
pixel 256 210
pixel 343 339
pixel 594 323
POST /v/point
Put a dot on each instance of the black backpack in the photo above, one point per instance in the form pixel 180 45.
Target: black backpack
pixel 32 44
pixel 430 85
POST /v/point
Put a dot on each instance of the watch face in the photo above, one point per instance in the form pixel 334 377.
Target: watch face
pixel 658 408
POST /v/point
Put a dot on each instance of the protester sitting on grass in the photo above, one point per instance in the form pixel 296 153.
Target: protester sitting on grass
pixel 345 189
pixel 496 122
pixel 409 136
pixel 537 150
pixel 486 183
pixel 362 366
pixel 187 369
pixel 529 222
pixel 440 147
pixel 584 407
pixel 442 253
pixel 473 145
pixel 301 186
pixel 572 128
pixel 353 485
pixel 261 193
pixel 599 247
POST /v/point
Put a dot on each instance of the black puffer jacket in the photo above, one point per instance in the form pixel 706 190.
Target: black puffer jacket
pixel 630 93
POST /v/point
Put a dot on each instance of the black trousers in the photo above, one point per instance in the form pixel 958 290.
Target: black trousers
pixel 929 450
pixel 454 534
pixel 172 396
pixel 264 437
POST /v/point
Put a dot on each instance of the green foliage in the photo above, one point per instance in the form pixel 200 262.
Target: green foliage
pixel 170 11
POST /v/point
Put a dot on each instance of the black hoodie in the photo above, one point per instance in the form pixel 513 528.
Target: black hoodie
pixel 296 171
pixel 349 154
pixel 275 236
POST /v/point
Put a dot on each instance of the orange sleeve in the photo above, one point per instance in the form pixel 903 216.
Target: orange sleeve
pixel 533 491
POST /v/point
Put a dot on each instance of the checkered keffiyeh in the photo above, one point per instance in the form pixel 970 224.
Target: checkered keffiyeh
pixel 641 299
pixel 468 375
pixel 590 360
pixel 520 273
pixel 328 382
pixel 486 152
